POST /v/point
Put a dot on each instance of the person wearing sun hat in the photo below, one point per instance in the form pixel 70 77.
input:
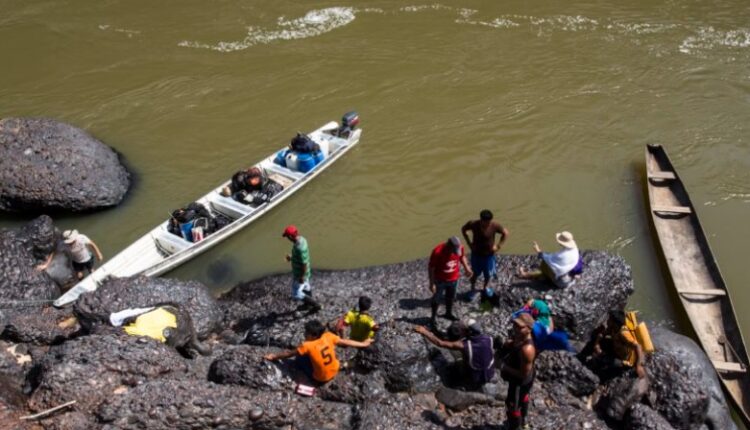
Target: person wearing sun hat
pixel 300 260
pixel 79 246
pixel 556 266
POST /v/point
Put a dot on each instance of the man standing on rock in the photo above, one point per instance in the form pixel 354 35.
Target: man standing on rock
pixel 517 368
pixel 300 259
pixel 80 247
pixel 443 271
pixel 483 246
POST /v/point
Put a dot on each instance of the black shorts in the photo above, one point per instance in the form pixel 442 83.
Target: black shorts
pixel 86 265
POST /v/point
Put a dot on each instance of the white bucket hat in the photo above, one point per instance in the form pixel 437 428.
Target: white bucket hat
pixel 70 236
pixel 565 239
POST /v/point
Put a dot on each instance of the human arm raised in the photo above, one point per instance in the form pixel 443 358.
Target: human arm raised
pixel 458 345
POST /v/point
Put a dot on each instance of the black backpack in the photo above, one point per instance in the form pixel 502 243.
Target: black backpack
pixel 303 144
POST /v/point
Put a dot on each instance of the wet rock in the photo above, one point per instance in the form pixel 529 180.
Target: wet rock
pixel 641 417
pixel 677 396
pixel 92 368
pixel 561 367
pixel 696 364
pixel 204 405
pixel 49 165
pixel 118 294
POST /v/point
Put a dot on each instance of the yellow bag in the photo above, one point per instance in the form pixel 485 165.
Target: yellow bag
pixel 639 331
pixel 152 324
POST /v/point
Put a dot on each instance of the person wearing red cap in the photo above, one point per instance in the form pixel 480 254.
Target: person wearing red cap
pixel 300 259
pixel 444 272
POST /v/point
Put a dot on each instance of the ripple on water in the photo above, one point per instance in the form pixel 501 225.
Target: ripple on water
pixel 314 23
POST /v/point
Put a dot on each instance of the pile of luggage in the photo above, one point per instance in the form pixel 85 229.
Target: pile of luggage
pixel 302 155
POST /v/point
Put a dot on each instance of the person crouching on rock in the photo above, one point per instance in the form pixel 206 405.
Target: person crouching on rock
pixel 517 368
pixel 477 349
pixel 300 260
pixel 362 325
pixel 443 271
pixel 316 356
pixel 615 350
pixel 559 267
pixel 79 247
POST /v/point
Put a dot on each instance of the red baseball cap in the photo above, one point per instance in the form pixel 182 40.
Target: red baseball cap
pixel 290 231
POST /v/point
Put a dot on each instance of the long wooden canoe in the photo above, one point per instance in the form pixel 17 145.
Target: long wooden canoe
pixel 159 251
pixel 696 277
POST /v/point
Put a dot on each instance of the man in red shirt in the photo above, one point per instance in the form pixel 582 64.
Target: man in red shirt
pixel 444 272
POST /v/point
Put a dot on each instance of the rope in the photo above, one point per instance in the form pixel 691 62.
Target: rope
pixel 11 304
pixel 48 411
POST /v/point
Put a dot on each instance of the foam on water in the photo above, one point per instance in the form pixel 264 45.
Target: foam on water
pixel 314 23
pixel 708 38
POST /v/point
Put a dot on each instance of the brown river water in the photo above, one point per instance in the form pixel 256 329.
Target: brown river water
pixel 537 110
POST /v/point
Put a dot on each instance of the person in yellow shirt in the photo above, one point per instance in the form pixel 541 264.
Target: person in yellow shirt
pixel 317 354
pixel 362 325
pixel 617 347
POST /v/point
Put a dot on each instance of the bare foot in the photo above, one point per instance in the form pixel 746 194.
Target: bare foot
pixel 522 273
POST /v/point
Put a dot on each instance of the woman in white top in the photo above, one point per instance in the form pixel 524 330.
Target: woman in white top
pixel 556 266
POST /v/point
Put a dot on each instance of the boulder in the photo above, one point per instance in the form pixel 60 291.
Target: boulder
pixel 117 294
pixel 695 363
pixel 563 368
pixel 675 392
pixel 244 365
pixel 90 369
pixel 49 165
pixel 21 250
pixel 641 417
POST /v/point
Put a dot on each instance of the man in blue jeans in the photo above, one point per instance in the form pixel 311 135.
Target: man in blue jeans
pixel 444 272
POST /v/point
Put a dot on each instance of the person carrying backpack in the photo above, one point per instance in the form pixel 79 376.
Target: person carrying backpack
pixel 476 348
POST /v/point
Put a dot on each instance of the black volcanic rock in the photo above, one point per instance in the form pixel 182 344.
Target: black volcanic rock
pixel 93 368
pixel 21 250
pixel 204 405
pixel 118 294
pixel 49 165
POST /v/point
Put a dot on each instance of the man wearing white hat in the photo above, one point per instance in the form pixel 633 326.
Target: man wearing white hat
pixel 556 265
pixel 80 247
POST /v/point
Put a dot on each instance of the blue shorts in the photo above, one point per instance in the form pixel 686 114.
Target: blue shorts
pixel 485 265
pixel 447 289
pixel 301 289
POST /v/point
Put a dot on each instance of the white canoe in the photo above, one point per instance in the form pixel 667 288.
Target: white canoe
pixel 159 251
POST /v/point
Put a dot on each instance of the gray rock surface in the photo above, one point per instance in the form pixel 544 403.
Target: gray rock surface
pixel 137 292
pixel 641 417
pixel 21 250
pixel 49 165
pixel 198 405
pixel 677 397
pixel 93 368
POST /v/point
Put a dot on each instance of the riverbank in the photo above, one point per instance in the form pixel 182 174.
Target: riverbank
pixel 120 381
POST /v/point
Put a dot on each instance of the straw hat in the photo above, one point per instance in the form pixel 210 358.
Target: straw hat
pixel 565 239
pixel 70 236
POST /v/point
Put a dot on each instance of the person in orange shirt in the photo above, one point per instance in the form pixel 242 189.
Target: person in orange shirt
pixel 317 354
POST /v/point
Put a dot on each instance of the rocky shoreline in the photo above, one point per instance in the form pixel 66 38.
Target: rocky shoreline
pixel 48 358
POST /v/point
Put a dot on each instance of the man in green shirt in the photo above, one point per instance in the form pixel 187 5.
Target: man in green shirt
pixel 300 259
